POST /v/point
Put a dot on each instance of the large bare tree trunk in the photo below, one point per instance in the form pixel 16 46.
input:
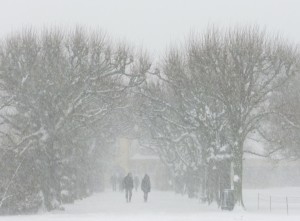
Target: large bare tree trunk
pixel 238 173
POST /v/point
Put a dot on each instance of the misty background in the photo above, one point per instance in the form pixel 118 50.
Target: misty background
pixel 201 95
pixel 152 24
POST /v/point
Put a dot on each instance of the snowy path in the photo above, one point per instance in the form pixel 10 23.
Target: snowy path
pixel 165 206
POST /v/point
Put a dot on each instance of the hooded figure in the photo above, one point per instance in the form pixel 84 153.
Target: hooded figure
pixel 128 186
pixel 146 186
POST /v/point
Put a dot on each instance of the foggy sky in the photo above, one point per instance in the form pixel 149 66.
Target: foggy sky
pixel 153 24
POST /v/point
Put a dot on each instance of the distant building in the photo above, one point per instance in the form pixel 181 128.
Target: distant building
pixel 141 163
pixel 122 154
pixel 130 157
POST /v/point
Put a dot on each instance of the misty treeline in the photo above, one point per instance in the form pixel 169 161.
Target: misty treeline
pixel 66 96
pixel 60 91
pixel 212 94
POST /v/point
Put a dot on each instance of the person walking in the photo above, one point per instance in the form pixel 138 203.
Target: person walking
pixel 146 186
pixel 128 185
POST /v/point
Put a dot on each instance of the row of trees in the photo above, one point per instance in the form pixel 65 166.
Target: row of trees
pixel 66 96
pixel 211 95
pixel 59 94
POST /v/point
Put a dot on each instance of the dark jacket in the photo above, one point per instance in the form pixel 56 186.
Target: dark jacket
pixel 146 184
pixel 128 182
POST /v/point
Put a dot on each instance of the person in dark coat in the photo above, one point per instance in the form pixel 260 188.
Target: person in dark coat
pixel 128 186
pixel 146 186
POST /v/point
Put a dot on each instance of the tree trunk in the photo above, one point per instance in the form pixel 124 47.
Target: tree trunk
pixel 51 183
pixel 238 173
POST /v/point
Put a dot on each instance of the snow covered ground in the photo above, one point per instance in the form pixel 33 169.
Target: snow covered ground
pixel 167 206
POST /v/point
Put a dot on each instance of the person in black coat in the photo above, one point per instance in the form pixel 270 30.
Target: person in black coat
pixel 128 186
pixel 146 186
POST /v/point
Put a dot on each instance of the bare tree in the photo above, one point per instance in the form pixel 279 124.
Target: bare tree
pixel 218 91
pixel 187 126
pixel 283 131
pixel 58 85
pixel 241 68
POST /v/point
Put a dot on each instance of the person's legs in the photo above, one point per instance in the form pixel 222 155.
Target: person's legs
pixel 130 194
pixel 126 195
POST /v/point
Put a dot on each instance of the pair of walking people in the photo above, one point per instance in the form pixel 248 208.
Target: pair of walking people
pixel 128 185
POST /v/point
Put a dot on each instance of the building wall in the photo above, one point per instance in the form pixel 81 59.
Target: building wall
pixel 122 155
pixel 154 168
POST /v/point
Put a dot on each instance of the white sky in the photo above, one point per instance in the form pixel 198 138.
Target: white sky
pixel 153 23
